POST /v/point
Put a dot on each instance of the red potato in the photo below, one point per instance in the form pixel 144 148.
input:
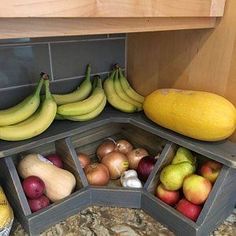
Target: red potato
pixel 38 203
pixel 56 160
pixel 33 187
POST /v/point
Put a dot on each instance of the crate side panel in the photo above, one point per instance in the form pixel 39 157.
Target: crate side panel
pixel 72 205
pixel 12 184
pixel 221 201
pixel 130 198
pixel 65 151
pixel 74 156
pixel 166 215
pixel 165 158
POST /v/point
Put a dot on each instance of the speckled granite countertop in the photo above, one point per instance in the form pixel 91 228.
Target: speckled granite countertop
pixel 113 221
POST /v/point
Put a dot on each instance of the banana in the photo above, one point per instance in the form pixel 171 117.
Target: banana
pixel 113 97
pixel 122 94
pixel 79 94
pixel 6 213
pixel 128 89
pixel 38 124
pixel 91 115
pixel 59 117
pixel 22 110
pixel 83 107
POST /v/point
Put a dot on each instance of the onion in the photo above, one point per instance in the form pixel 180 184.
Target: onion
pixel 84 159
pixel 117 163
pixel 105 148
pixel 145 167
pixel 38 203
pixel 97 174
pixel 135 156
pixel 123 146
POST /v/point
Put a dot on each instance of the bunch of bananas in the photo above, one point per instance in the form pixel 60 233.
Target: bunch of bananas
pixel 6 214
pixel 85 109
pixel 34 115
pixel 120 94
pixel 29 118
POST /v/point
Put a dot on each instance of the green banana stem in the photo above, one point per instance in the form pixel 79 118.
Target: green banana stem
pixel 116 76
pixel 48 94
pixel 39 87
pixel 95 81
pixel 99 82
pixel 112 75
pixel 88 72
pixel 120 73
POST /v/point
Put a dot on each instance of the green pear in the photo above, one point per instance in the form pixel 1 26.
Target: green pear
pixel 172 176
pixel 183 155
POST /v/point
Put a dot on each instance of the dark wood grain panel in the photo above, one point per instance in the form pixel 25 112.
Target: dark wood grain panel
pixel 122 197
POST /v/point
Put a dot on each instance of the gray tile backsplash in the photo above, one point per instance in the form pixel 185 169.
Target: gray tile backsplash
pixel 63 58
pixel 13 96
pixel 70 60
pixel 21 65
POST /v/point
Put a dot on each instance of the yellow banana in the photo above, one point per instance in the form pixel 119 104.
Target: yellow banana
pixel 79 94
pixel 128 89
pixel 122 93
pixel 22 110
pixel 39 124
pixel 6 213
pixel 91 115
pixel 83 107
pixel 113 97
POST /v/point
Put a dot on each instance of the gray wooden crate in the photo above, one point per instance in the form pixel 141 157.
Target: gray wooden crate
pixel 65 136
pixel 34 223
pixel 218 206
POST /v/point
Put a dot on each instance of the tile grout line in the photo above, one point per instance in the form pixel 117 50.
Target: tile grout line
pixel 50 61
pixel 54 81
pixel 55 42
pixel 126 52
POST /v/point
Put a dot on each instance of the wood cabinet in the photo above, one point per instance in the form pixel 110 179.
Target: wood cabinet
pixel 119 8
pixel 188 59
pixel 30 18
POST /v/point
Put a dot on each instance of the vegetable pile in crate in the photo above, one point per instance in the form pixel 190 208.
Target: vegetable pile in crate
pixel 42 184
pixel 121 159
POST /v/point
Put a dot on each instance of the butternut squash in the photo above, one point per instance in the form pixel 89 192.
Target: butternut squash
pixel 59 183
pixel 196 114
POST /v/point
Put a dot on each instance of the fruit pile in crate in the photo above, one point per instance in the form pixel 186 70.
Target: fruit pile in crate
pixel 35 113
pixel 118 161
pixel 186 182
pixel 44 180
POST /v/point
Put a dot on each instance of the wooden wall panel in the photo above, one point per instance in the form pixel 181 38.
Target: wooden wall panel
pixel 106 8
pixel 191 59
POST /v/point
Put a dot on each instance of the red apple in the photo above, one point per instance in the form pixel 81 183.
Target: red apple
pixel 188 209
pixel 210 170
pixel 56 160
pixel 167 196
pixel 196 188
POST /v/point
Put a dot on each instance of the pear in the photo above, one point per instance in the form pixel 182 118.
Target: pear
pixel 172 176
pixel 184 155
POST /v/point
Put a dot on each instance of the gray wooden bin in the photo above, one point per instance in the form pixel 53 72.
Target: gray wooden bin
pixel 64 137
